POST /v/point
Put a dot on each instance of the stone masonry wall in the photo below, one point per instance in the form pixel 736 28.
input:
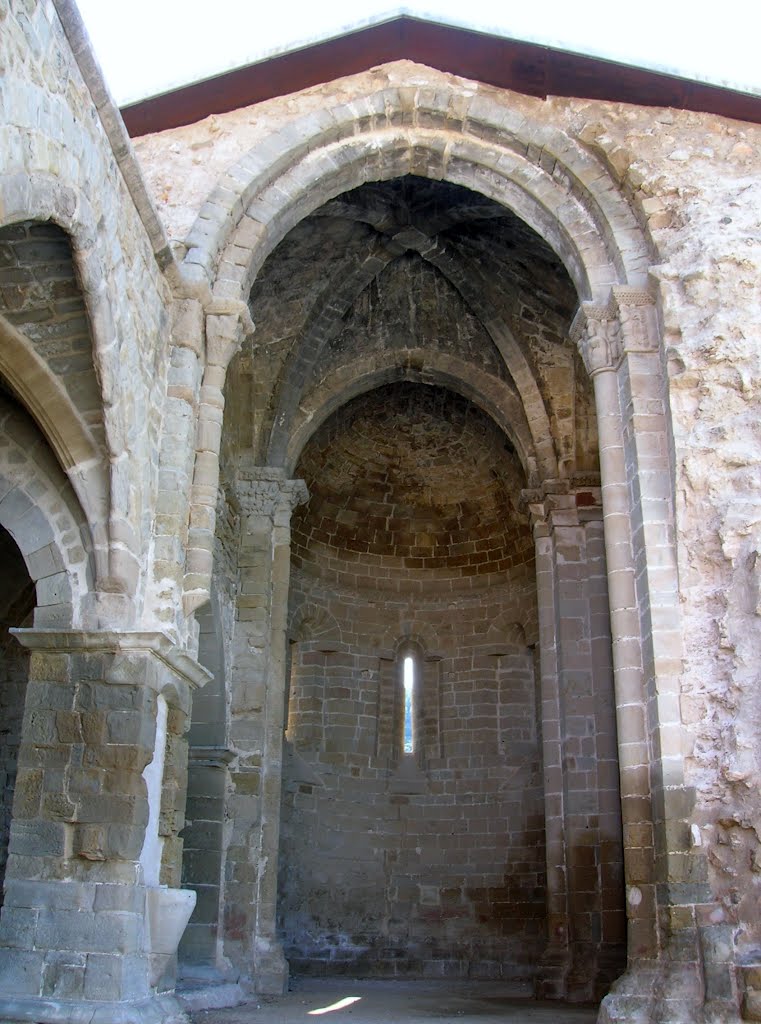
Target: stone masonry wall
pixel 428 864
pixel 692 180
pixel 431 862
pixel 58 165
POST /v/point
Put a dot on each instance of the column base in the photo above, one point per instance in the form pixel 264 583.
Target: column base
pixel 664 993
pixel 164 1009
pixel 270 968
pixel 552 972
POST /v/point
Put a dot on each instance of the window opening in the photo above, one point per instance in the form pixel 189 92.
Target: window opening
pixel 409 704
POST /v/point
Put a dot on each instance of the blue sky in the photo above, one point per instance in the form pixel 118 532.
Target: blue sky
pixel 183 43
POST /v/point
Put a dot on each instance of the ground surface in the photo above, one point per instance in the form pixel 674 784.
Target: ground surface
pixel 397 1002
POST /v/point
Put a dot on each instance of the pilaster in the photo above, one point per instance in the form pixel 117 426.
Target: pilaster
pixel 585 920
pixel 671 969
pixel 257 707
pixel 93 912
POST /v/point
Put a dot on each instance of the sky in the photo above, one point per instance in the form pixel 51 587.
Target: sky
pixel 149 46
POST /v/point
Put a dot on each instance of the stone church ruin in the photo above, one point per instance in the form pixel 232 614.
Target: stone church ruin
pixel 380 511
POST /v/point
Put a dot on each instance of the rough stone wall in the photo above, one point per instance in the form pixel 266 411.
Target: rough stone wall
pixel 428 863
pixel 692 180
pixel 58 165
pixel 16 604
pixel 708 185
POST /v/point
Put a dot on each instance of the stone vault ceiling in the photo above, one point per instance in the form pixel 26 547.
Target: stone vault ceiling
pixel 422 281
pixel 415 484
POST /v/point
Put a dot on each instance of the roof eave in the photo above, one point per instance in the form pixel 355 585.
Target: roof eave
pixel 523 67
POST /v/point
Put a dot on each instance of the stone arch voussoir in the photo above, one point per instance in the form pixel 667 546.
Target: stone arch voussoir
pixel 74 447
pixel 490 394
pixel 541 173
pixel 40 511
pixel 94 473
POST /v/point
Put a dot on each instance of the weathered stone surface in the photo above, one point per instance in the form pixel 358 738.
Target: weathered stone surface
pixel 512 347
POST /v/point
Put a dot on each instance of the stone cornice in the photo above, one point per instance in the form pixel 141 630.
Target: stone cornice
pixel 116 642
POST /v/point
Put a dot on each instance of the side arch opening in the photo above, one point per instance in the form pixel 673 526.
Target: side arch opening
pixel 17 601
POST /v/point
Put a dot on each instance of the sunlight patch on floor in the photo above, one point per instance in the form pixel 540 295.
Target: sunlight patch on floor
pixel 340 1005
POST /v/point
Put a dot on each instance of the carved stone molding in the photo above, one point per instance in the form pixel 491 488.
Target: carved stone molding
pixel 265 492
pixel 157 644
pixel 637 315
pixel 627 324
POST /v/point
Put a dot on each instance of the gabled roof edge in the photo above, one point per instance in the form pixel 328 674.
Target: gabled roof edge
pixel 528 68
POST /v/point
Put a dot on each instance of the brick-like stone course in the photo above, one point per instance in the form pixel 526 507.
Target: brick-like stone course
pixel 412 250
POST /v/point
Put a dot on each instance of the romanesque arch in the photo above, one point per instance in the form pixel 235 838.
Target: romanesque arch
pixel 42 514
pixel 48 573
pixel 565 197
pixel 56 327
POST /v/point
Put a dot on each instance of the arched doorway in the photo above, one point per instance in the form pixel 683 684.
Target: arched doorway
pixel 17 600
pixel 413 814
pixel 422 380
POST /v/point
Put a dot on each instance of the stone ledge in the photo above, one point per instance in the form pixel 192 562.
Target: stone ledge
pixel 213 997
pixel 116 642
pixel 30 1010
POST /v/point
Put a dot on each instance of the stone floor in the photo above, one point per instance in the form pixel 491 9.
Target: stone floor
pixel 397 1002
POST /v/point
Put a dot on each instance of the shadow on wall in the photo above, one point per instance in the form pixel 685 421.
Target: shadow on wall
pixel 17 600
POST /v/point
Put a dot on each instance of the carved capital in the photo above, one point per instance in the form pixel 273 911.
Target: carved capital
pixel 597 332
pixel 228 324
pixel 637 315
pixel 265 492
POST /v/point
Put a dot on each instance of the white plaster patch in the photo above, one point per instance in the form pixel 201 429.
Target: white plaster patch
pixel 150 855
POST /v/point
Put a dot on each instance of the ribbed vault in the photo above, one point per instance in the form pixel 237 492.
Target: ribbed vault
pixel 420 280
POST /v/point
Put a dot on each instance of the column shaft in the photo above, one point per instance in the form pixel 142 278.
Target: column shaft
pixel 257 724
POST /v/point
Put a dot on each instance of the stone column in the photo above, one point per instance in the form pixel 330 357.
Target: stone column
pixel 93 912
pixel 228 323
pixel 601 349
pixel 582 824
pixel 555 963
pixel 266 500
pixel 673 966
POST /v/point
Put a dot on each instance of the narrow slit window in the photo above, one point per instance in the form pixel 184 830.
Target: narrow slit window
pixel 409 704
